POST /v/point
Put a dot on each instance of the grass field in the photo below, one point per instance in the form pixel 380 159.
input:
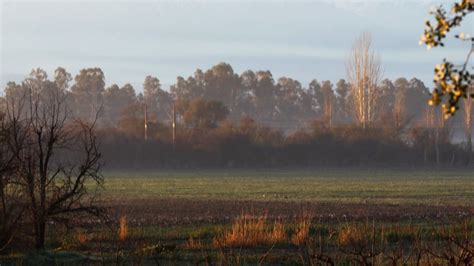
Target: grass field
pixel 272 218
pixel 338 186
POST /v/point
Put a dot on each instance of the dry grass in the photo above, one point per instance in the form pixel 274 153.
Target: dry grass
pixel 123 228
pixel 193 244
pixel 249 235
pixel 303 225
pixel 278 233
pixel 353 235
pixel 363 243
pixel 249 230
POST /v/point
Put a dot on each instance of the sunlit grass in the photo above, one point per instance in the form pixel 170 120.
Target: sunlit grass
pixel 251 230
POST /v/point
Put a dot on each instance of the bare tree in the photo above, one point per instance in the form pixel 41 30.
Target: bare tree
pixel 12 204
pixel 364 71
pixel 57 156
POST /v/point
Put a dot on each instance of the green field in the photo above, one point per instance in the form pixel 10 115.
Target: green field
pixel 449 188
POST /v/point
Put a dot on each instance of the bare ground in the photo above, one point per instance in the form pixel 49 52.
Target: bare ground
pixel 180 211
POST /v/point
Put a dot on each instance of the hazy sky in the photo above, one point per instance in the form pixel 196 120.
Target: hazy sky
pixel 130 40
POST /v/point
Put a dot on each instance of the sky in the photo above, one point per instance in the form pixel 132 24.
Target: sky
pixel 303 40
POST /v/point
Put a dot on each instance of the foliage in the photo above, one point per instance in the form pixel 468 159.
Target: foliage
pixel 199 113
pixel 452 82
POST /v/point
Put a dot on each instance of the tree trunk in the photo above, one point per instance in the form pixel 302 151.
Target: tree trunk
pixel 40 232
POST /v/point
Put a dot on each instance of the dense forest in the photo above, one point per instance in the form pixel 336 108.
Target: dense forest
pixel 219 118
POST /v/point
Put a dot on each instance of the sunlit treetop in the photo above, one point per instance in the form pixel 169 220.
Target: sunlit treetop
pixel 451 82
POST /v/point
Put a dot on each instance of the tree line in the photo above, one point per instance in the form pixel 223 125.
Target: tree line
pixel 218 118
pixel 283 103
